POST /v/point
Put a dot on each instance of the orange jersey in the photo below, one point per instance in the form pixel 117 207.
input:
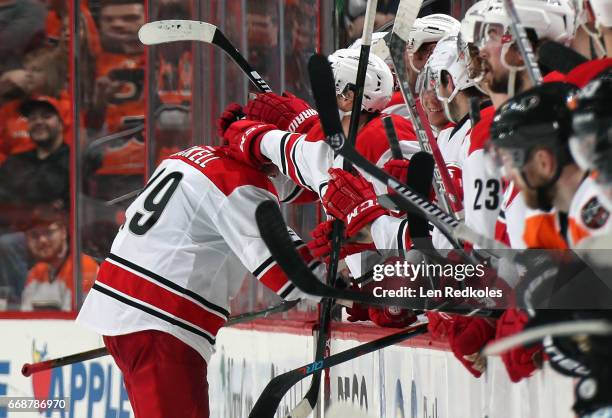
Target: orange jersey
pixel 56 289
pixel 587 217
pixel 128 102
pixel 542 230
pixel 14 137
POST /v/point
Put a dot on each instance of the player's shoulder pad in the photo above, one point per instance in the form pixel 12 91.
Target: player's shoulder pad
pixel 582 74
pixel 372 142
pixel 315 133
pixel 226 173
pixel 480 132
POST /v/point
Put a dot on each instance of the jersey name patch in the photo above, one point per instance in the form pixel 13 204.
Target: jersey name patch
pixel 593 214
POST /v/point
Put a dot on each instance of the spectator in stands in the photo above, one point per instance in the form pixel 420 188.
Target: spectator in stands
pixel 42 174
pixel 44 73
pixel 50 282
pixel 120 67
pixel 58 34
pixel 20 23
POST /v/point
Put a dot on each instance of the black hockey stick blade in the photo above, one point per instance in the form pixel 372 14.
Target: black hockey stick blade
pixel 420 175
pixel 557 57
pixel 268 401
pixel 284 306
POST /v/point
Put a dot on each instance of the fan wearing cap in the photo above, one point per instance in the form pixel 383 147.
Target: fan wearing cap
pixel 530 136
pixel 42 174
pixel 49 283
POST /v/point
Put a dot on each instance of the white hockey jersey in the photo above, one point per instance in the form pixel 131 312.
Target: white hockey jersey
pixel 453 143
pixel 482 191
pixel 188 241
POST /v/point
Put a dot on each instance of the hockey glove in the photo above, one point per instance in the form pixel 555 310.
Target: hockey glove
pixel 288 112
pixel 387 317
pixel 244 137
pixel 467 336
pixel 351 199
pixel 520 362
pixel 398 169
pixel 320 245
pixel 231 114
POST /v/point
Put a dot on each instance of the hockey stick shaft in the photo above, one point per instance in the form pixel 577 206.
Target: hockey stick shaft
pixel 562 329
pixel 30 368
pixel 163 31
pixel 396 151
pixel 307 405
pixel 268 401
pixel 396 41
pixel 523 43
pixel 364 56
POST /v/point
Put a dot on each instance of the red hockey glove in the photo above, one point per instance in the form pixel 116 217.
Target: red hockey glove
pixel 244 137
pixel 439 324
pixel 398 169
pixel 467 336
pixel 392 316
pixel 387 317
pixel 351 199
pixel 231 114
pixel 320 246
pixel 520 362
pixel 288 112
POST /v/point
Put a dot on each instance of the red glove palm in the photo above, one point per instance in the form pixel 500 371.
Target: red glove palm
pixel 244 137
pixel 288 112
pixel 231 114
pixel 520 362
pixel 351 199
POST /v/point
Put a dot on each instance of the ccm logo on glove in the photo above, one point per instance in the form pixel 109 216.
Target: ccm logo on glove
pixel 362 207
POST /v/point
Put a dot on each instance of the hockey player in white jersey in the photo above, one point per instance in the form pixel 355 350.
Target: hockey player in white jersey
pixel 162 294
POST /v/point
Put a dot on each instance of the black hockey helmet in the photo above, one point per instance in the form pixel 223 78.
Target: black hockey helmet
pixel 537 117
pixel 592 123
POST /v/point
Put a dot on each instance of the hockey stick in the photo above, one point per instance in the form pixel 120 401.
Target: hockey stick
pixel 396 41
pixel 270 398
pixel 163 31
pixel 522 41
pixel 323 91
pixel 396 151
pixel 308 403
pixel 29 368
pixel 562 329
pixel 273 231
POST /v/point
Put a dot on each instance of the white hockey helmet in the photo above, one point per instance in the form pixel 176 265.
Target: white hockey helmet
pixel 602 12
pixel 378 86
pixel 550 19
pixel 431 28
pixel 378 47
pixel 474 16
pixel 447 56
